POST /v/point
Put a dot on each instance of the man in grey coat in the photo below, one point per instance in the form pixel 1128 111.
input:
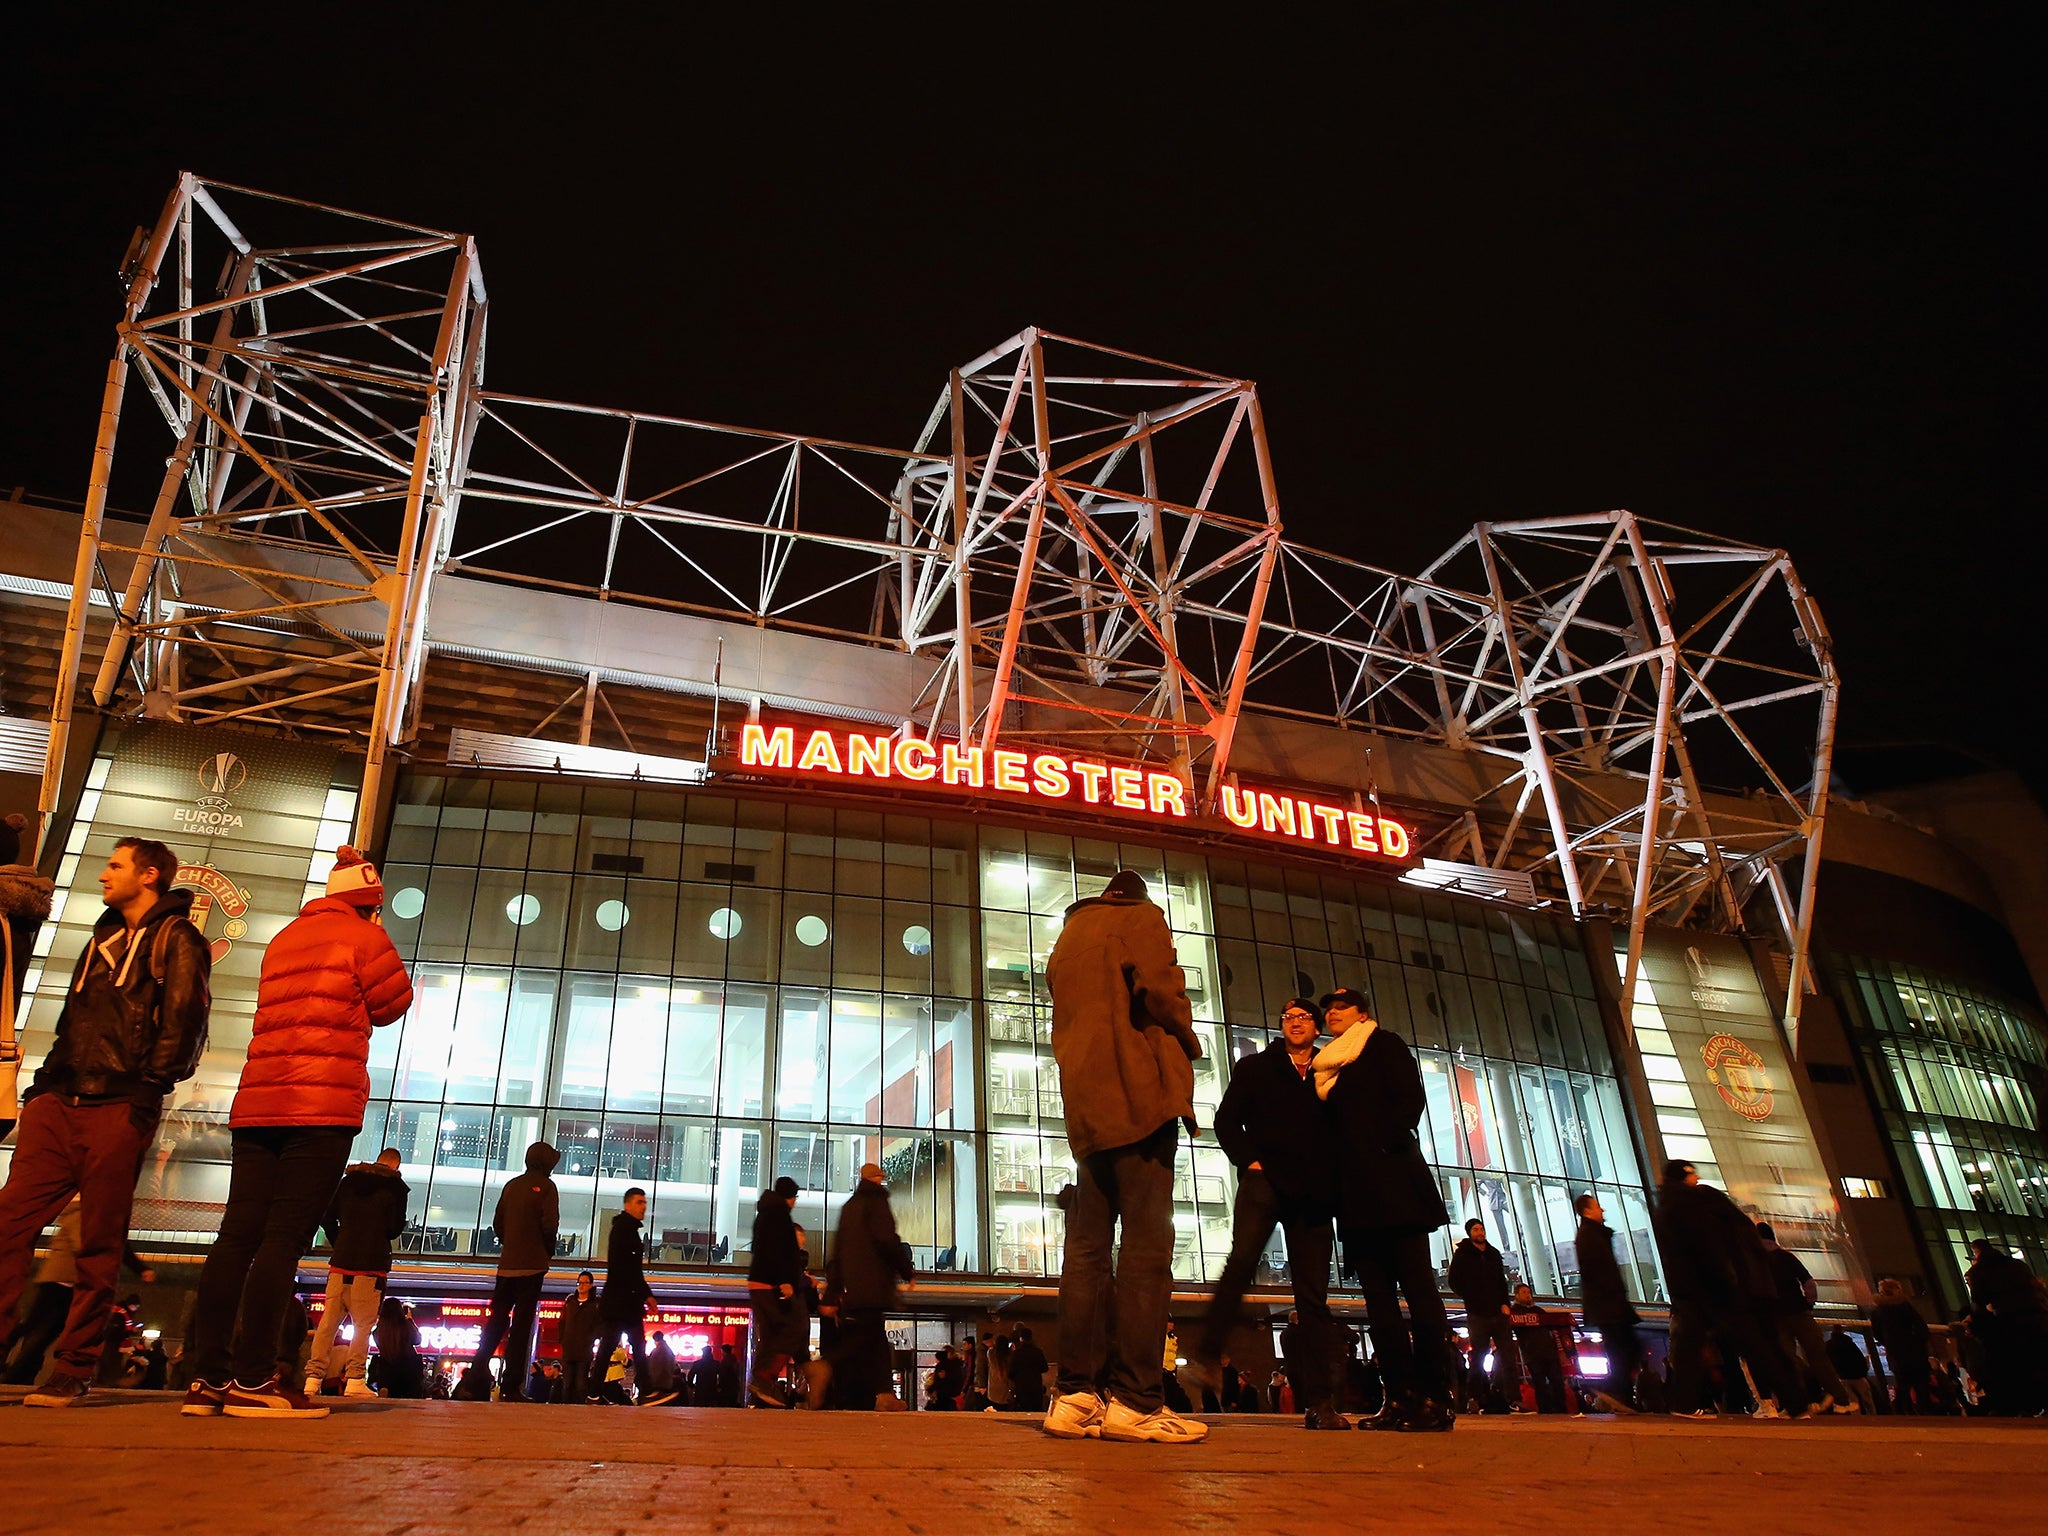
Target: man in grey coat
pixel 1123 1034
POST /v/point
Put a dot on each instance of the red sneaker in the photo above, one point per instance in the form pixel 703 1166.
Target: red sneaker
pixel 271 1400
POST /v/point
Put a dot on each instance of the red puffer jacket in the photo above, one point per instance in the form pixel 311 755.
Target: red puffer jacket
pixel 329 978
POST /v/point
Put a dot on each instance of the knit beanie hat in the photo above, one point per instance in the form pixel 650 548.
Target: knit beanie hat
pixel 354 879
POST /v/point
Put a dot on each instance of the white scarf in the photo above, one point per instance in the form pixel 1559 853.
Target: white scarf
pixel 1340 1053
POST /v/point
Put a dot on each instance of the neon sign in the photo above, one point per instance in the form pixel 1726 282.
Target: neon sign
pixel 1065 779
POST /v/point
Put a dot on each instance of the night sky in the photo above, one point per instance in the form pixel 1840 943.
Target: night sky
pixel 1768 275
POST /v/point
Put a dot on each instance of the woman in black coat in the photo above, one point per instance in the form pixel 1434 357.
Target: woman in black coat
pixel 1387 1205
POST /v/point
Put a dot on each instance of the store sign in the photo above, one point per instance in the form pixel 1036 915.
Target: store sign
pixel 1061 778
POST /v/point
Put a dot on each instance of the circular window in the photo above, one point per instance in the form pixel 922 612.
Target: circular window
pixel 811 930
pixel 917 939
pixel 409 903
pixel 613 915
pixel 726 924
pixel 523 909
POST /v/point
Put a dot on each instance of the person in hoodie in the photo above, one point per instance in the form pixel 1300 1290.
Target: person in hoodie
pixel 133 1026
pixel 330 977
pixel 1479 1278
pixel 1123 1034
pixel 582 1321
pixel 1797 1333
pixel 627 1298
pixel 775 1272
pixel 24 906
pixel 528 1217
pixel 366 1213
pixel 1609 1312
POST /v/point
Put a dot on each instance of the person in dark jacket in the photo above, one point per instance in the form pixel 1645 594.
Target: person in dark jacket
pixel 133 1026
pixel 703 1380
pixel 1797 1333
pixel 1479 1278
pixel 400 1371
pixel 1721 1284
pixel 528 1218
pixel 1027 1372
pixel 627 1298
pixel 729 1373
pixel 25 898
pixel 868 1263
pixel 1388 1204
pixel 1902 1332
pixel 1536 1341
pixel 581 1322
pixel 1608 1310
pixel 1275 1131
pixel 1124 1036
pixel 366 1213
pixel 1852 1366
pixel 331 978
pixel 2009 1313
pixel 658 1389
pixel 781 1323
pixel 949 1380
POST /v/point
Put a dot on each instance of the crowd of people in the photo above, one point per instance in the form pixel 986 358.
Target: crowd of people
pixel 1323 1137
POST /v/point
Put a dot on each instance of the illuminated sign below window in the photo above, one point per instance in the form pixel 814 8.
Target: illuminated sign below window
pixel 1063 778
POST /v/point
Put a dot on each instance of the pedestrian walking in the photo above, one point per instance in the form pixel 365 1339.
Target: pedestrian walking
pixel 1797 1333
pixel 1902 1333
pixel 781 1328
pixel 1853 1366
pixel 366 1213
pixel 133 1026
pixel 526 1222
pixel 869 1263
pixel 329 978
pixel 1721 1285
pixel 49 1305
pixel 658 1386
pixel 627 1298
pixel 1479 1278
pixel 1123 1035
pixel 2009 1311
pixel 1609 1312
pixel 25 898
pixel 577 1331
pixel 1275 1131
pixel 1388 1204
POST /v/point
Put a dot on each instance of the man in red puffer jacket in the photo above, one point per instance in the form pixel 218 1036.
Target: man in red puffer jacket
pixel 329 978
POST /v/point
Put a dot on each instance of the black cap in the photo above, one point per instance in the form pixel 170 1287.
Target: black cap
pixel 1349 995
pixel 1126 882
pixel 786 1187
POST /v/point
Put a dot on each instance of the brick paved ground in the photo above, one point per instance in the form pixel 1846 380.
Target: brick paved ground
pixel 128 1462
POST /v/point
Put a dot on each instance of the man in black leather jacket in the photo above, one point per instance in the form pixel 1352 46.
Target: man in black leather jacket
pixel 134 1024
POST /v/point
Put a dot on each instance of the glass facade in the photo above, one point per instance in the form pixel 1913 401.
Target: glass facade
pixel 1955 1073
pixel 697 993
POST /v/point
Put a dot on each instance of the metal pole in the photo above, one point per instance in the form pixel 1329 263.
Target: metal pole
pixel 81 593
pixel 1027 559
pixel 1224 727
pixel 963 596
pixel 1639 909
pixel 1817 812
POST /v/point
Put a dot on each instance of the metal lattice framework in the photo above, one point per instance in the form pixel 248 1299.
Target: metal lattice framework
pixel 1084 544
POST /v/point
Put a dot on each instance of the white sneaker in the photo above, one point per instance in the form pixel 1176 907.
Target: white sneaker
pixel 1164 1426
pixel 357 1387
pixel 1074 1416
pixel 313 1385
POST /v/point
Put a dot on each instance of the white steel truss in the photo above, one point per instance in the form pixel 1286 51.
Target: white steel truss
pixel 1086 546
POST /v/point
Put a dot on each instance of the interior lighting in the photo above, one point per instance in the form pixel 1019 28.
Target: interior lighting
pixel 523 909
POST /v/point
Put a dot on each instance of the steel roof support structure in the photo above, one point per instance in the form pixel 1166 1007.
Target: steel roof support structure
pixel 1085 546
pixel 318 437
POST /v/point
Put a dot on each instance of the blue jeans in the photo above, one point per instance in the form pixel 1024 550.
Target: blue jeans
pixel 1133 1184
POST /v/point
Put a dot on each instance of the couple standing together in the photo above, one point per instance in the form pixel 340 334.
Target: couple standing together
pixel 1318 1137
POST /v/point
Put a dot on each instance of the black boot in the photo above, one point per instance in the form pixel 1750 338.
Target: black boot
pixel 1325 1417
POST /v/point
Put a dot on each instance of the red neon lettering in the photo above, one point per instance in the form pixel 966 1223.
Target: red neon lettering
pixel 868 754
pixel 1240 807
pixel 1361 832
pixel 1126 788
pixel 1393 839
pixel 1009 771
pixel 958 766
pixel 1091 776
pixel 1332 817
pixel 822 752
pixel 1276 814
pixel 1308 822
pixel 767 749
pixel 1166 794
pixel 1049 776
pixel 914 759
